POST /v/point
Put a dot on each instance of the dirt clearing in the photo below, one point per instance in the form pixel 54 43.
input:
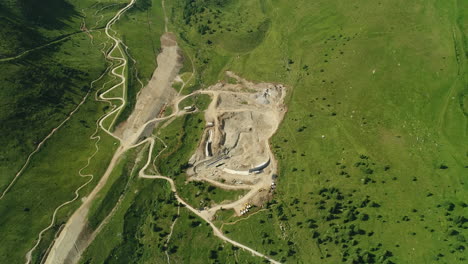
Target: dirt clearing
pixel 154 96
pixel 234 151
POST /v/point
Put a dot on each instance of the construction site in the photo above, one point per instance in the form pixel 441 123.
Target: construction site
pixel 234 152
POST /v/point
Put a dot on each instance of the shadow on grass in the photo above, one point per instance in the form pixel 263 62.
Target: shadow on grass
pixel 49 14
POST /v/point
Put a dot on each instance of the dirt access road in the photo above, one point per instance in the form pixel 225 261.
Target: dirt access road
pixel 235 152
pixel 149 103
pixel 250 134
pixel 117 63
pixel 207 219
pixel 156 94
pixel 67 248
pixel 65 243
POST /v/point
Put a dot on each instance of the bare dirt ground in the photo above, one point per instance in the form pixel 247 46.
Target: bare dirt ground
pixel 157 93
pixel 233 154
pixel 65 245
pixel 244 117
pixel 150 101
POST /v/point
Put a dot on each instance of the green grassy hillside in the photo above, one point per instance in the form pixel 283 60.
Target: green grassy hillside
pixel 372 152
pixel 141 223
pixel 43 81
pixel 39 90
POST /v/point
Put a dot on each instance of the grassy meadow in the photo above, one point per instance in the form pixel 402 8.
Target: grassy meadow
pixel 372 151
pixel 141 222
pixel 139 229
pixel 40 89
pixel 52 175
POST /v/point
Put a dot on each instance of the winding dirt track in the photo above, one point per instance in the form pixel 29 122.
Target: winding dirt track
pixel 64 248
pixel 26 52
pixel 216 231
pixel 170 235
pixel 38 147
pixel 80 215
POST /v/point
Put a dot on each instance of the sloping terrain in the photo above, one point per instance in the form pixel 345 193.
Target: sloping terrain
pixel 343 141
pixel 372 151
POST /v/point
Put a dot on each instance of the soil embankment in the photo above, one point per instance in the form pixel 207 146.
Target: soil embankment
pixel 65 247
pixel 73 239
pixel 154 96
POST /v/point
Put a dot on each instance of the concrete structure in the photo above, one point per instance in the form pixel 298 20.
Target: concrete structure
pixel 189 108
pixel 208 151
pixel 260 167
pixel 235 172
